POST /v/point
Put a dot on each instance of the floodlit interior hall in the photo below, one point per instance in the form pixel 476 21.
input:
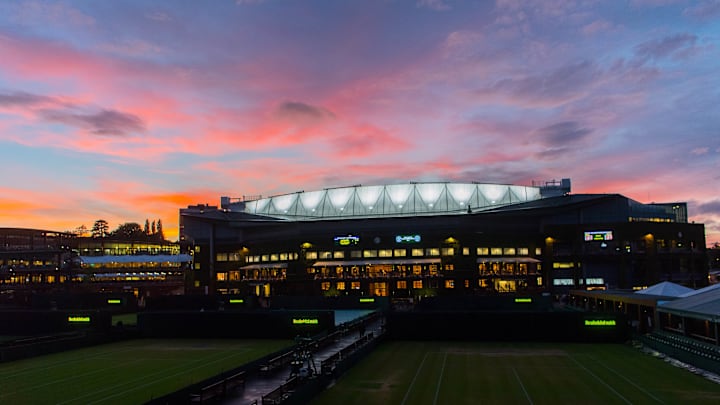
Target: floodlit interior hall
pixel 426 239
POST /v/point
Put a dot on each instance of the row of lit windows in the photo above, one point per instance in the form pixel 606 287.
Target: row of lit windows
pixel 501 285
pixel 132 265
pixel 27 263
pixel 285 256
pixel 377 253
pixel 121 249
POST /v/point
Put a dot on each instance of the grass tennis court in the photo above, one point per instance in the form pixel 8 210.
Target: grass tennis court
pixel 419 373
pixel 129 372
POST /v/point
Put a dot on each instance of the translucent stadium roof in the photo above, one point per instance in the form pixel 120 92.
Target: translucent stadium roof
pixel 388 200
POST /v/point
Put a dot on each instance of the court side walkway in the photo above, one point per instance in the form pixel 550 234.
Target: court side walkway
pixel 258 385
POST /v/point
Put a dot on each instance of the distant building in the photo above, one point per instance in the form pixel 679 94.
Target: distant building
pixel 414 239
pixel 33 260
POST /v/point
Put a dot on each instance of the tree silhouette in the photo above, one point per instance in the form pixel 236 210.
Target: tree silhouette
pixel 129 231
pixel 100 229
pixel 147 227
pixel 160 234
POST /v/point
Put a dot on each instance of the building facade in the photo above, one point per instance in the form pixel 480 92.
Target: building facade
pixel 36 261
pixel 422 239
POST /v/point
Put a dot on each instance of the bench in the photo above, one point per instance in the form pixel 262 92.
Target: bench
pixel 281 393
pixel 209 392
pixel 277 362
pixel 219 389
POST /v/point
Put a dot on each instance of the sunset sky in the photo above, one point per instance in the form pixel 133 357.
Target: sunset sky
pixel 127 110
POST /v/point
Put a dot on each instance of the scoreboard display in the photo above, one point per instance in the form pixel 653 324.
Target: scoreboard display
pixel 591 236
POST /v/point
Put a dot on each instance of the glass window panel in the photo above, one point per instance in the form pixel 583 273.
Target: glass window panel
pixel 399 252
pixel 417 252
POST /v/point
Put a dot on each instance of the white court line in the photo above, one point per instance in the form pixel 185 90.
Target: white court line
pixel 437 389
pixel 72 377
pixel 522 386
pixel 414 378
pixel 646 392
pixel 184 368
pixel 33 369
pixel 599 379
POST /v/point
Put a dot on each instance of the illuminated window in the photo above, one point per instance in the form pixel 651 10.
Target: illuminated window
pixel 509 251
pixel 325 285
pixel 265 258
pixel 369 253
pixel 355 285
pixel 467 283
pixel 432 252
pixel 523 251
pixel 563 281
pixel 283 256
pixel 197 249
pixel 417 252
pixel 221 276
pixel 449 267
pixel 496 251
pixel 417 269
pixel 311 255
pixel 466 251
pixel 340 285
pixel 563 265
pixel 449 283
pixel 538 251
pixel 325 255
pixel 484 283
pixel 338 254
pixel 433 268
pixel 274 257
pixel 221 257
pixel 417 284
pixel 539 281
pixel 448 251
pixel 385 253
pixel 402 284
pixel 399 252
pixel 356 254
pixel 483 251
pixel 234 276
pixel 197 266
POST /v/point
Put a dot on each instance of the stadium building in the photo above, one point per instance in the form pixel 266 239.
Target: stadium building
pixel 426 239
pixel 36 261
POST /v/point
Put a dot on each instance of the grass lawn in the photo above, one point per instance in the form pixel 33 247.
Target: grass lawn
pixel 516 373
pixel 130 372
